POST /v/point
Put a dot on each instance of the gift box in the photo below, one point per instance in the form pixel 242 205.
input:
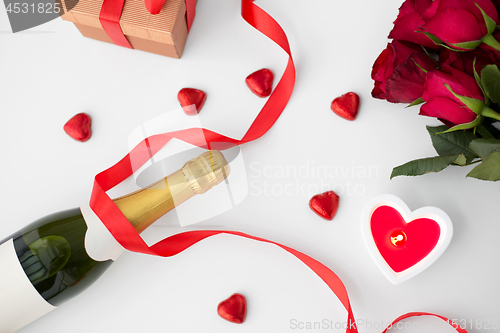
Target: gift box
pixel 164 33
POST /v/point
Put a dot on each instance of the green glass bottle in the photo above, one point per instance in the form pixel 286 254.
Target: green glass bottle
pixel 58 256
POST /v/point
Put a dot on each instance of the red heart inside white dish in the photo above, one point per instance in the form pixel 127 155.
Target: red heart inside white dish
pixel 401 242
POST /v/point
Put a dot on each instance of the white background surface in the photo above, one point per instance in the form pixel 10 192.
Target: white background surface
pixel 51 72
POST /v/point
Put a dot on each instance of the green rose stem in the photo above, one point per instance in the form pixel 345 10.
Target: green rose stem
pixel 491 41
pixel 487 112
pixel 484 132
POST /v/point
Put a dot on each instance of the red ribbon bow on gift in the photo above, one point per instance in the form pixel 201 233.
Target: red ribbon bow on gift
pixel 111 11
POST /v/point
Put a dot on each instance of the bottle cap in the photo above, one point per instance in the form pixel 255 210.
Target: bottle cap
pixel 206 171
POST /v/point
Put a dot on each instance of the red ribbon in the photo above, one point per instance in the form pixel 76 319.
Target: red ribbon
pixel 126 235
pixel 111 11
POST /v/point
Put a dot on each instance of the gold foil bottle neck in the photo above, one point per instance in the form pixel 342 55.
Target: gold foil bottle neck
pixel 206 171
pixel 143 207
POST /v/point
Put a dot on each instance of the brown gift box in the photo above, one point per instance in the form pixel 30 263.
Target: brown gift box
pixel 164 33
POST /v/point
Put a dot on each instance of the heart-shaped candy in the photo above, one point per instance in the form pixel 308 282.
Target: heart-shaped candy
pixel 191 100
pixel 233 309
pixel 346 106
pixel 78 127
pixel 404 243
pixel 325 204
pixel 261 82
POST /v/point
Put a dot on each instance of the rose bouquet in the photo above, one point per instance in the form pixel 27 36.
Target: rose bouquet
pixel 444 56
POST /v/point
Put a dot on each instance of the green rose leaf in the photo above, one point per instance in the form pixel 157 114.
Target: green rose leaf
pixel 490 81
pixel 461 160
pixel 423 166
pixel 488 131
pixel 489 169
pixel 484 147
pixel 484 132
pixel 452 143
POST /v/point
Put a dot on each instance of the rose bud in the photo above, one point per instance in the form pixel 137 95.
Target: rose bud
pixel 461 25
pixel 442 92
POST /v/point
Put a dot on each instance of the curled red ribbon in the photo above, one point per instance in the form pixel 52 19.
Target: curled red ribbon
pixel 111 11
pixel 126 235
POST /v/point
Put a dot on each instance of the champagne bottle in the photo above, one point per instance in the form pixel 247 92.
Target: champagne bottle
pixel 58 256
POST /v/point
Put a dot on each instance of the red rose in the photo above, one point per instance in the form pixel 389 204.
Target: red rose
pixel 407 83
pixel 464 61
pixel 442 103
pixel 407 24
pixel 459 23
pixel 399 73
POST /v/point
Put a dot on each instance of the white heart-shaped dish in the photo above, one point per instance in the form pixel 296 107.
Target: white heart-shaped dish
pixel 389 245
